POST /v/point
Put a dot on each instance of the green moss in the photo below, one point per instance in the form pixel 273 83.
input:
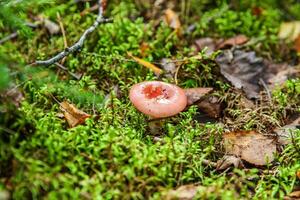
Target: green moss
pixel 115 155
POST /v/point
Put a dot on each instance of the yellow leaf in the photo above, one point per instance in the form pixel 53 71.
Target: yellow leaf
pixel 147 64
pixel 289 30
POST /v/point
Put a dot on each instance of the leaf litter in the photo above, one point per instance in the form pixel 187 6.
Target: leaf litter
pixel 73 115
pixel 250 146
pixel 248 72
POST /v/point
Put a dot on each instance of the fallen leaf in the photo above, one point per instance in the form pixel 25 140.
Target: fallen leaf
pixel 195 94
pixel 277 74
pixel 211 106
pixel 147 64
pixel 184 192
pixel 172 20
pixel 229 160
pixel 250 146
pixel 236 40
pixel 297 44
pixel 289 30
pixel 293 196
pixel 243 70
pixel 73 115
pixel 285 133
pixel 208 43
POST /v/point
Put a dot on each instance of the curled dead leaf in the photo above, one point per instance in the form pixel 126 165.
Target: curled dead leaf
pixel 73 115
pixel 233 41
pixel 172 20
pixel 250 146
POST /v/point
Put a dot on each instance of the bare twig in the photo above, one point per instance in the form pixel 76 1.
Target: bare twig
pixel 9 37
pixel 15 34
pixel 77 76
pixel 78 45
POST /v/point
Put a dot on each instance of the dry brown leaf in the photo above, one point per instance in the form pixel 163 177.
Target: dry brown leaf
pixel 293 196
pixel 73 115
pixel 207 42
pixel 298 174
pixel 289 30
pixel 184 192
pixel 195 94
pixel 297 44
pixel 147 64
pixel 236 40
pixel 243 70
pixel 228 161
pixel 211 106
pixel 250 146
pixel 172 20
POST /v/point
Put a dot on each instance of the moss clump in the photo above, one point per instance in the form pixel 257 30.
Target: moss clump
pixel 115 155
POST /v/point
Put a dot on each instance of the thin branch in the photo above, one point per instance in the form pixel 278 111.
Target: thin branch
pixel 15 34
pixel 9 37
pixel 78 45
pixel 77 76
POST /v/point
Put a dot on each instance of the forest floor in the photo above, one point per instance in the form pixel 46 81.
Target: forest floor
pixel 69 131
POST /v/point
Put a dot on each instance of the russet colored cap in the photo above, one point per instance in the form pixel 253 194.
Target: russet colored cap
pixel 158 99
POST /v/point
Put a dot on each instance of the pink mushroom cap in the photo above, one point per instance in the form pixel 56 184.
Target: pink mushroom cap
pixel 158 99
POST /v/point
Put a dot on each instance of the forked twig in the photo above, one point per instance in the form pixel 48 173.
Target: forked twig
pixel 78 45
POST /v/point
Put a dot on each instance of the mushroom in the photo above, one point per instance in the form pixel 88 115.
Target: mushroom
pixel 158 99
